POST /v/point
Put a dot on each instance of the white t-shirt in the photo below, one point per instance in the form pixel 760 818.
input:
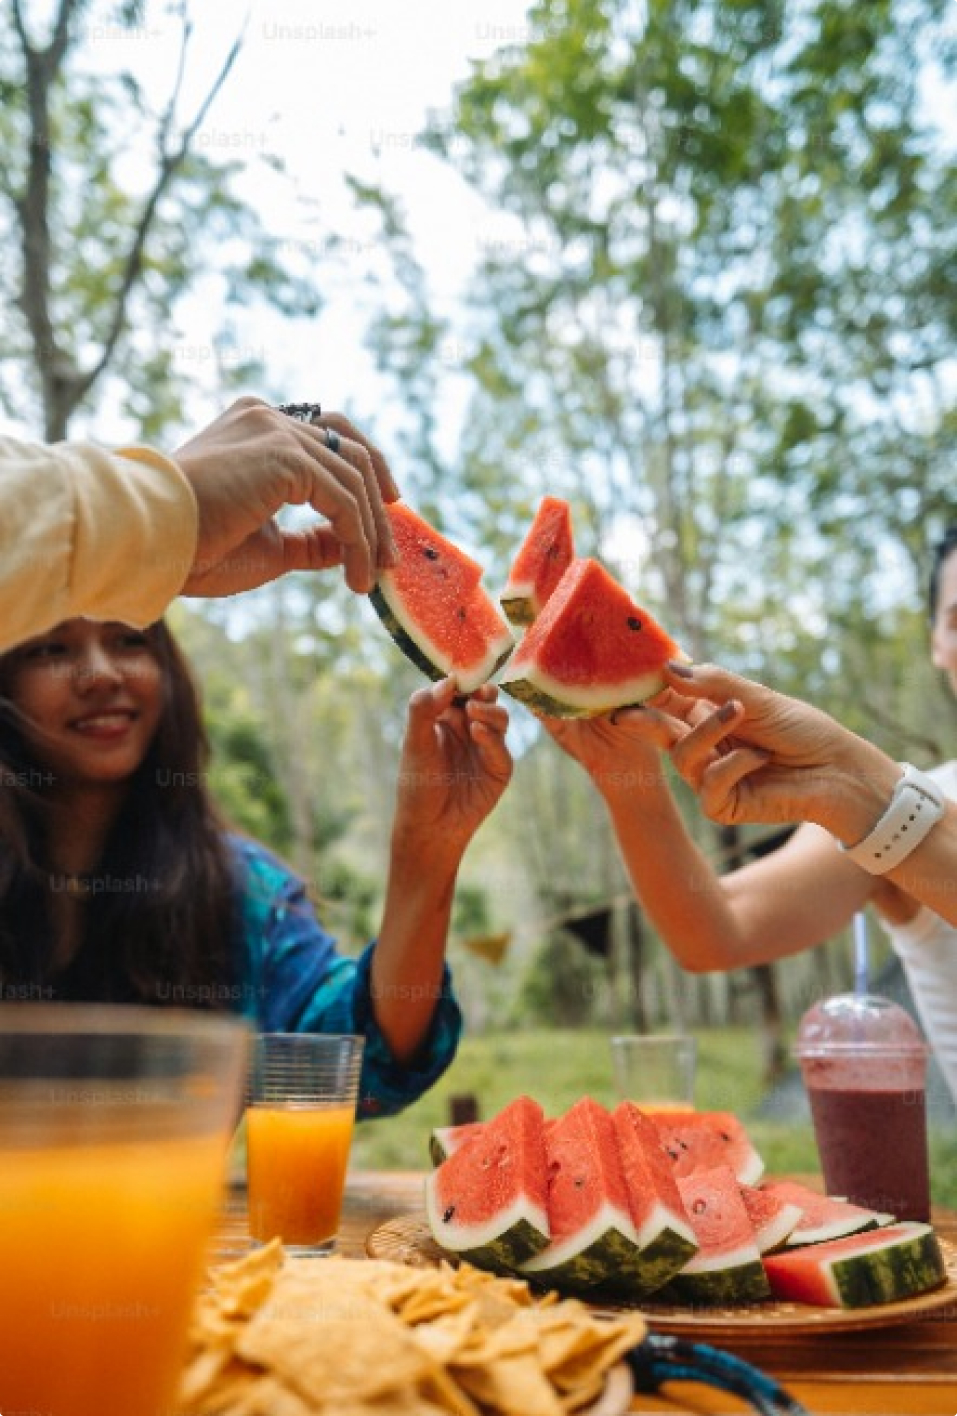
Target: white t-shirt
pixel 927 948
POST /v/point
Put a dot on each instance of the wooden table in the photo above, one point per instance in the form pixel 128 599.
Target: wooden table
pixel 894 1371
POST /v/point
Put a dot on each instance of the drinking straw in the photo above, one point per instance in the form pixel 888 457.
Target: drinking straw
pixel 860 952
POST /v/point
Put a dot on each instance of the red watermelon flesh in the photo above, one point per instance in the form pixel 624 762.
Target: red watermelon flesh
pixel 591 650
pixel 773 1219
pixel 823 1217
pixel 434 606
pixel 699 1140
pixel 593 1236
pixel 880 1266
pixel 665 1238
pixel 546 553
pixel 488 1201
pixel 727 1267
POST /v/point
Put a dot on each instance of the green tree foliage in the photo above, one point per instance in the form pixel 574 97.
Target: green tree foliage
pixel 111 211
pixel 715 310
pixel 724 324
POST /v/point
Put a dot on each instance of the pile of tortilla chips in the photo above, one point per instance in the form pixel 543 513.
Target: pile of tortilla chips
pixel 359 1337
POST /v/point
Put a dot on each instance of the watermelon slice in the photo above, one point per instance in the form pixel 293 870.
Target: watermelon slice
pixel 591 650
pixel 700 1140
pixel 546 553
pixel 487 1202
pixel 881 1266
pixel 593 1236
pixel 772 1219
pixel 727 1267
pixel 446 1139
pixel 435 608
pixel 823 1216
pixel 666 1240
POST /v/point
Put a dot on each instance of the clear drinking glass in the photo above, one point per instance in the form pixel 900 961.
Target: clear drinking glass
pixel 114 1125
pixel 656 1072
pixel 302 1104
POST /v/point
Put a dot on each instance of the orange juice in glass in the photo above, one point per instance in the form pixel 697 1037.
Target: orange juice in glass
pixel 114 1124
pixel 656 1072
pixel 299 1123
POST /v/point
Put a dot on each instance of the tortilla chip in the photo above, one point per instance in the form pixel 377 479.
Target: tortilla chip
pixel 334 1352
pixel 355 1337
pixel 511 1384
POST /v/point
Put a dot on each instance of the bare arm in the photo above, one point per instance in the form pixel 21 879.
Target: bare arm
pixel 765 757
pixel 789 901
pixel 454 768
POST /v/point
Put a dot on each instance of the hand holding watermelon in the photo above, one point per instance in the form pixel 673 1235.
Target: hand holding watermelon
pixel 763 757
pixel 620 750
pixel 454 768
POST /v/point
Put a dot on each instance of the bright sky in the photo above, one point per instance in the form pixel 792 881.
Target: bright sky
pixel 337 86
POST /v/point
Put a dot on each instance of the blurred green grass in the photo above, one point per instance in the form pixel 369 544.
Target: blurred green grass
pixel 557 1067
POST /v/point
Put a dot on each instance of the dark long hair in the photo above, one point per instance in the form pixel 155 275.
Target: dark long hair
pixel 158 917
pixel 940 554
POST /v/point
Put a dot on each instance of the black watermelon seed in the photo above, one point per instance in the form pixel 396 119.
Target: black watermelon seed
pixel 448 1213
pixel 430 553
pixel 634 622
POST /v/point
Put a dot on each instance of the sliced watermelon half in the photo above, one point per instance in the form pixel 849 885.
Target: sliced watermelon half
pixel 880 1266
pixel 823 1217
pixel 590 651
pixel 700 1140
pixel 593 1236
pixel 545 554
pixel 434 606
pixel 773 1220
pixel 666 1241
pixel 488 1201
pixel 727 1267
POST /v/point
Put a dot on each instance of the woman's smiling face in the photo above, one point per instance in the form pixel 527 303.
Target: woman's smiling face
pixel 88 696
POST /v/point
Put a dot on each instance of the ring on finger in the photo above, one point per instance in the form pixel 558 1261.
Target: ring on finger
pixel 333 440
pixel 302 412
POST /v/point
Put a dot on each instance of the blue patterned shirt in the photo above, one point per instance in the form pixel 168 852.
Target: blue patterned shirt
pixel 293 979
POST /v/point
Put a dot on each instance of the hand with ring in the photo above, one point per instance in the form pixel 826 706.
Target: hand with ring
pixel 255 459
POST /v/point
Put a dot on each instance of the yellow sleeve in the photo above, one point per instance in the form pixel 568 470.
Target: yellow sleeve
pixel 84 531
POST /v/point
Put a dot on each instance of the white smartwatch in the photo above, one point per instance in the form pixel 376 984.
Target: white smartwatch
pixel 917 804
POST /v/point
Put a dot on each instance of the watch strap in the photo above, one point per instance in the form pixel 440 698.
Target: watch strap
pixel 916 806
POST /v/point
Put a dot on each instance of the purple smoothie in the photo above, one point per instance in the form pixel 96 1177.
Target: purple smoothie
pixel 864 1063
pixel 873 1147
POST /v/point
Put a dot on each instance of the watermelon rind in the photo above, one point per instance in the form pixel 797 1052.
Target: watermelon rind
pixel 518 605
pixel 735 1277
pixel 824 1217
pixel 597 1253
pixel 513 1235
pixel 727 1267
pixel 551 699
pixel 886 1267
pixel 665 1246
pixel 666 1240
pixel 425 654
pixel 774 1221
